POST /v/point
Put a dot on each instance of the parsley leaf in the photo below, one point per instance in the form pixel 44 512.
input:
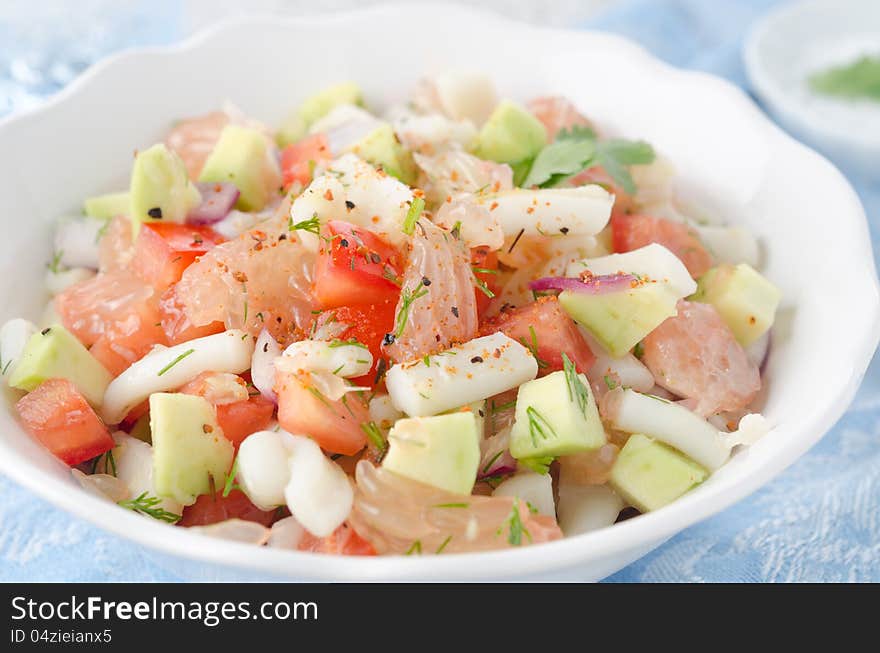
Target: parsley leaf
pixel 579 148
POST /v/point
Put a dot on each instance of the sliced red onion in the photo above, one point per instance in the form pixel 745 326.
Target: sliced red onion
pixel 266 350
pixel 596 285
pixel 502 467
pixel 218 198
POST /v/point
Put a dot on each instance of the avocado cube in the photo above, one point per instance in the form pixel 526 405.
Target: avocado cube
pixel 55 353
pixel 649 474
pixel 381 148
pixel 160 188
pixel 324 101
pixel 442 451
pixel 744 299
pixel 619 320
pixel 107 206
pixel 556 415
pixel 241 157
pixel 510 135
pixel 191 456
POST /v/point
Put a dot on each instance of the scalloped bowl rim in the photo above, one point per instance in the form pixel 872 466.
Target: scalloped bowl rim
pixel 640 534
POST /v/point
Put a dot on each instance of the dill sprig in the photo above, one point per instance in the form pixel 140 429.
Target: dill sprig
pixel 407 297
pixel 538 464
pixel 412 216
pixel 333 344
pixel 539 427
pixel 577 390
pixel 147 505
pixel 175 361
pixel 415 548
pixel 532 346
pixel 515 527
pixel 312 225
pixel 443 546
pixel 108 460
pixel 55 264
pixel 229 485
pixel 375 436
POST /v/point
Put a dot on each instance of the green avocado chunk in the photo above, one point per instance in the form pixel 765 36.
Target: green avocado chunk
pixel 190 453
pixel 55 353
pixel 649 474
pixel 556 415
pixel 443 450
pixel 510 135
pixel 160 188
pixel 241 157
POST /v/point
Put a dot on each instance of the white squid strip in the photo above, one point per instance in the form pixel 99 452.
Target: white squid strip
pixel 461 375
pixel 373 193
pixel 166 369
pixel 286 534
pixel 632 412
pixel 263 467
pixel 319 494
pixel 266 351
pixel 235 530
pixel 584 210
pixel 14 335
pixel 58 282
pixel 337 358
pixel 463 96
pixel 652 261
pixel 76 241
pixel 585 508
pixel 536 489
pixel 383 412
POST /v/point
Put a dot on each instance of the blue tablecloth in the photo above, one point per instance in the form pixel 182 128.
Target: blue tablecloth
pixel 819 521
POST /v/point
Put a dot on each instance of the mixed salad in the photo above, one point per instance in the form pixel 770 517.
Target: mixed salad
pixel 465 324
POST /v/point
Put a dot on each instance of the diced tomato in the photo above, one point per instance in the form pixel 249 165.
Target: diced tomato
pixel 343 541
pixel 176 324
pixel 545 328
pixel 57 415
pixel 163 250
pixel 483 258
pixel 368 325
pixel 298 159
pixel 335 425
pixel 241 418
pixel 354 268
pixel 629 232
pixel 211 509
pixel 237 417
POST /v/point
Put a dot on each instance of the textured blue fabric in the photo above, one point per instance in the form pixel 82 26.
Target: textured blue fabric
pixel 819 521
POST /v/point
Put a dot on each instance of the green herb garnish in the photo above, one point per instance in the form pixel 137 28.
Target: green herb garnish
pixel 579 148
pixel 333 344
pixel 532 346
pixel 375 435
pixel 539 427
pixel 146 505
pixel 407 297
pixel 55 264
pixel 515 527
pixel 443 546
pixel 859 79
pixel 229 485
pixel 412 216
pixel 577 390
pixel 538 464
pixel 312 225
pixel 415 548
pixel 175 361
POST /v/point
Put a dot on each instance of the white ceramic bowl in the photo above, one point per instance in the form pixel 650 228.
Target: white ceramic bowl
pixel 789 44
pixel 731 159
